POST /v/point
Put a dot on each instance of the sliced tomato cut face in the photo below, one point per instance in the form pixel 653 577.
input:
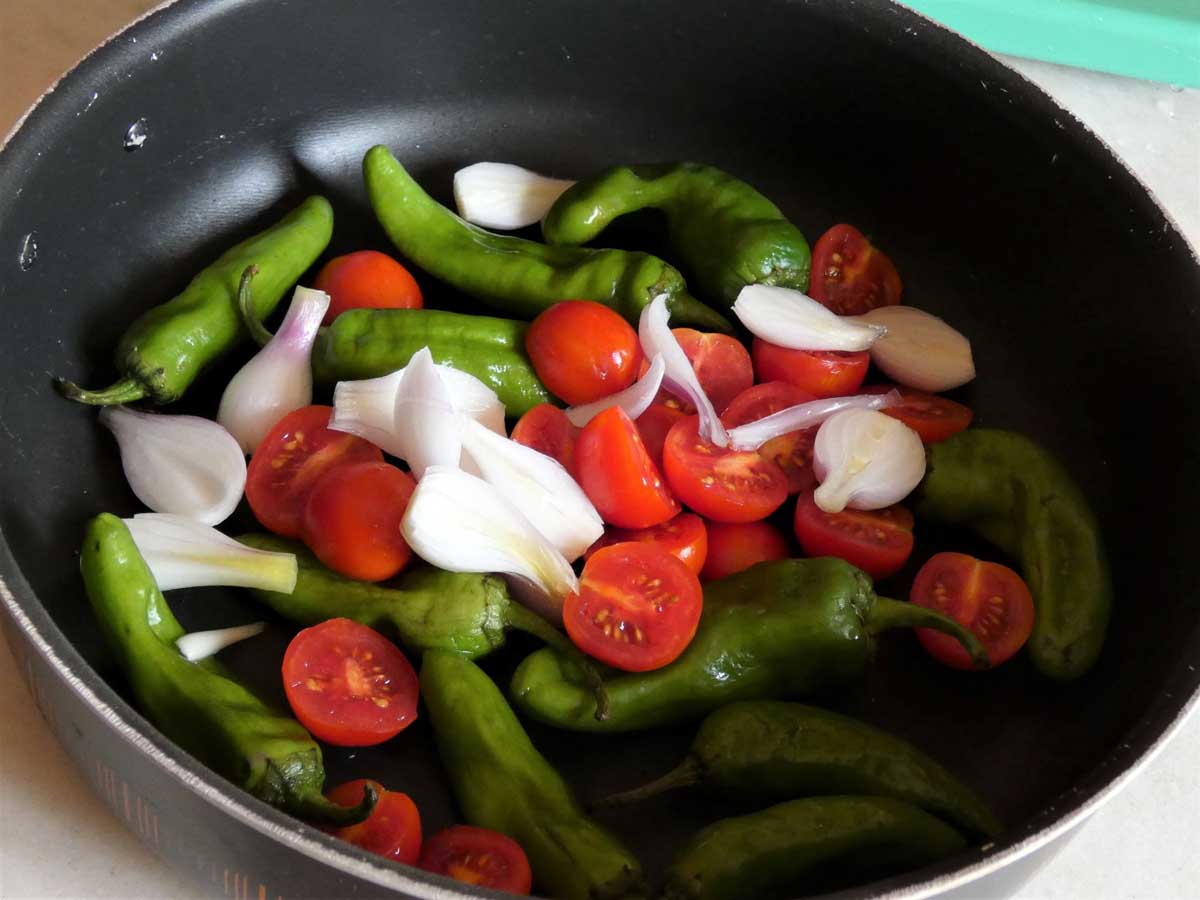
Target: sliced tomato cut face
pixel 478 856
pixel 879 541
pixel 934 418
pixel 637 607
pixel 684 537
pixel 546 429
pixel 850 275
pixel 734 547
pixel 721 363
pixel 791 452
pixel 582 351
pixel 392 830
pixel 823 373
pixel 654 424
pixel 617 474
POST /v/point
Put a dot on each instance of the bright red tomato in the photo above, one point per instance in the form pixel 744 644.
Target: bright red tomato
pixel 583 351
pixel 287 464
pixel 684 537
pixel 934 418
pixel 733 547
pixel 878 542
pixel 392 830
pixel 348 684
pixel 851 276
pixel 618 475
pixel 547 430
pixel 792 452
pixel 990 599
pixel 637 607
pixel 654 424
pixel 478 856
pixel 823 373
pixel 720 362
pixel 367 280
pixel 721 484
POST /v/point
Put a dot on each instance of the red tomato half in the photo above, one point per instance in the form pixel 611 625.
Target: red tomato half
pixel 547 430
pixel 348 684
pixel 792 452
pixel 393 829
pixel 684 537
pixel 637 607
pixel 823 373
pixel 290 460
pixel 719 483
pixel 934 418
pixel 737 546
pixel 990 599
pixel 720 362
pixel 478 856
pixel 654 424
pixel 367 280
pixel 583 351
pixel 878 542
pixel 618 475
pixel 849 275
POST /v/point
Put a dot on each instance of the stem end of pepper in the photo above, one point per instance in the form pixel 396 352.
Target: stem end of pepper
pixel 126 390
pixel 316 809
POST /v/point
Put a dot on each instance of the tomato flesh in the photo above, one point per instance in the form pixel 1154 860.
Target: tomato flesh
pixel 616 472
pixel 877 541
pixel 934 418
pixel 654 424
pixel 684 537
pixel 850 275
pixel 792 452
pixel 733 547
pixel 823 373
pixel 582 351
pixel 721 363
pixel 348 684
pixel 478 856
pixel 367 280
pixel 637 607
pixel 392 830
pixel 547 430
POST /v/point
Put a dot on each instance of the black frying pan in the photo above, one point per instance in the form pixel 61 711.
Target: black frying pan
pixel 1000 210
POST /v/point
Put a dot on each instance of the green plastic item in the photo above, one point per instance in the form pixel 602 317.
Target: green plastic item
pixel 1158 40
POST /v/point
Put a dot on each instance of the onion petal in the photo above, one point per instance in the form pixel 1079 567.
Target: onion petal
pixel 427 426
pixel 635 399
pixel 504 196
pixel 754 434
pixel 920 350
pixel 865 460
pixel 794 320
pixel 198 645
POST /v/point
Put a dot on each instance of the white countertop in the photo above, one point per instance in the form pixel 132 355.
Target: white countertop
pixel 58 841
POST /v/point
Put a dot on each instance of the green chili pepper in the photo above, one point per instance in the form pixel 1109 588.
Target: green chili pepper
pixel 778 629
pixel 726 233
pixel 167 347
pixel 367 343
pixel 516 276
pixel 1012 492
pixel 786 750
pixel 502 782
pixel 771 854
pixel 196 704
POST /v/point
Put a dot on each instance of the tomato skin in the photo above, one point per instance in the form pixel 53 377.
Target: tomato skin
pixel 367 280
pixel 934 418
pixel 478 856
pixel 618 475
pixel 733 547
pixel 654 424
pixel 392 830
pixel 291 459
pixel 582 351
pixel 720 362
pixel 990 599
pixel 879 542
pixel 850 275
pixel 637 607
pixel 792 452
pixel 684 537
pixel 719 483
pixel 546 429
pixel 823 373
pixel 348 684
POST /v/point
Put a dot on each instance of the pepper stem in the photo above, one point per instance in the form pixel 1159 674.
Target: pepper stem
pixel 316 809
pixel 522 619
pixel 886 613
pixel 246 308
pixel 686 774
pixel 124 391
pixel 687 310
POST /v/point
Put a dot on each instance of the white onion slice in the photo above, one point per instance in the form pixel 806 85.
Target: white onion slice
pixel 427 427
pixel 199 645
pixel 794 320
pixel 754 434
pixel 920 350
pixel 504 196
pixel 635 399
pixel 865 460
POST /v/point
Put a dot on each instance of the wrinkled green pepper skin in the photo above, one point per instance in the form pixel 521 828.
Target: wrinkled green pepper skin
pixel 502 782
pixel 778 629
pixel 198 705
pixel 726 233
pixel 768 855
pixel 166 348
pixel 519 277
pixel 781 751
pixel 1013 493
pixel 367 343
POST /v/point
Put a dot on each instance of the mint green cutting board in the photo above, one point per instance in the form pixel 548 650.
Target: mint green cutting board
pixel 1154 39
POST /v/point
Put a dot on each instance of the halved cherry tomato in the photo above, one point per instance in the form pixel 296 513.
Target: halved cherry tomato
pixel 618 475
pixel 637 607
pixel 849 275
pixel 478 856
pixel 877 541
pixel 823 373
pixel 934 418
pixel 352 520
pixel 654 424
pixel 684 537
pixel 367 279
pixel 721 484
pixel 393 829
pixel 287 464
pixel 547 430
pixel 990 599
pixel 720 362
pixel 582 351
pixel 733 547
pixel 791 452
pixel 348 684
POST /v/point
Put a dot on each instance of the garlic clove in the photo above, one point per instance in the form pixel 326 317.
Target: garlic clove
pixel 504 196
pixel 920 350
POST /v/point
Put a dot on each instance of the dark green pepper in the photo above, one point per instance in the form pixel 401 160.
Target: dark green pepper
pixel 778 629
pixel 768 855
pixel 726 233
pixel 517 276
pixel 164 349
pixel 786 750
pixel 367 343
pixel 1012 492
pixel 502 782
pixel 196 704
